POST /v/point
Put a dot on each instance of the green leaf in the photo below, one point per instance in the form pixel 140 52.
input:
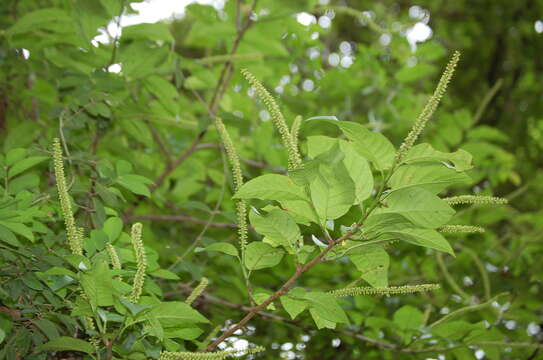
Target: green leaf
pixel 277 226
pixel 332 192
pixel 65 343
pixel 425 152
pixel 418 206
pixel 259 255
pixel 97 284
pixel 373 263
pixel 294 306
pixel 19 228
pixel 49 18
pixel 175 314
pixel 8 237
pixel 326 307
pixel 164 274
pixel 408 317
pixel 320 321
pixel 25 164
pixel 300 210
pixel 223 247
pixel 15 155
pixel 271 187
pixel 154 32
pixel 134 183
pixel 424 237
pixel 48 327
pixel 356 165
pixel 371 145
pixel 113 227
pixel 431 177
pixel 412 73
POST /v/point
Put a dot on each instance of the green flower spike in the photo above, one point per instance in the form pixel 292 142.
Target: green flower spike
pixel 141 262
pixel 75 238
pixel 294 158
pixel 429 108
pixel 392 290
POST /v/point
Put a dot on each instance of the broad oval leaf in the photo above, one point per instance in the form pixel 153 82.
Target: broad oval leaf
pixel 419 206
pixel 259 255
pixel 431 177
pixel 271 187
pixel 425 152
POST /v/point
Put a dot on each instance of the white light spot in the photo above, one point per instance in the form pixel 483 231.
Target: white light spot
pixel 490 267
pixel 287 346
pixel 300 346
pixel 313 53
pixel 325 22
pixel 306 19
pixel 314 36
pixel 345 47
pixel 305 338
pixel 346 61
pixel 336 342
pixel 264 115
pixel 333 59
pixel 538 26
pixel 324 2
pixel 420 32
pixel 279 89
pixel 480 354
pixel 467 281
pixel 285 79
pixel 511 324
pixel 533 329
pixel 444 311
pixel 385 39
pixel 241 344
pixel 114 68
pixel 26 53
pixel 293 68
pixel 308 85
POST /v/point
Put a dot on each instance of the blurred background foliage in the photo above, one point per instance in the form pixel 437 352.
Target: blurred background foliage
pixel 139 101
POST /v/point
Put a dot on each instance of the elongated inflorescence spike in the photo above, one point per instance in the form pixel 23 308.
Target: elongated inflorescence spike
pixel 141 263
pixel 294 158
pixel 75 238
pixel 392 290
pixel 429 108
pixel 198 290
pixel 475 199
pixel 113 257
pixel 218 355
pixel 295 129
pixel 241 206
pixel 461 229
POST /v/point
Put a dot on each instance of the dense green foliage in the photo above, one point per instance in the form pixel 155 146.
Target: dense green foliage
pixel 289 188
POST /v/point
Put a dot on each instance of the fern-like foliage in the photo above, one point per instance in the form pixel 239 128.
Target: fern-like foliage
pixel 294 158
pixel 429 108
pixel 392 290
pixel 475 199
pixel 198 290
pixel 74 235
pixel 218 355
pixel 141 262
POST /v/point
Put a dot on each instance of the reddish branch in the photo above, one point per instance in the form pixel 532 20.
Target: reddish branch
pixel 283 290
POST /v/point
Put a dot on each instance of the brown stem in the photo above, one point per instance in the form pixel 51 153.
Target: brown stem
pixel 282 290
